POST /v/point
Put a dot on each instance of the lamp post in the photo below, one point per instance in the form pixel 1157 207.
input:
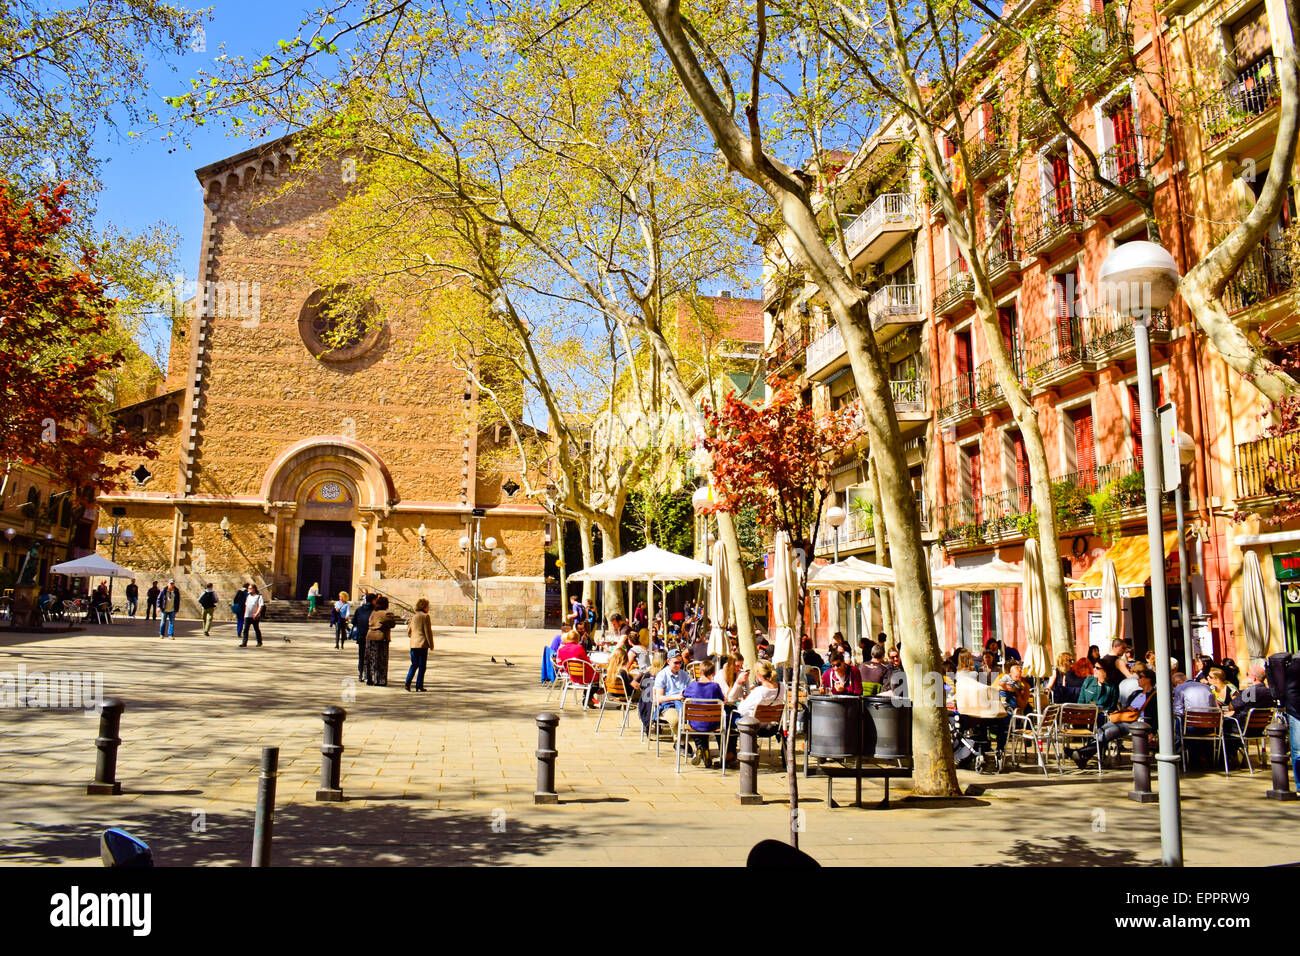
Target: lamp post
pixel 835 516
pixel 115 534
pixel 1139 278
pixel 473 546
pixel 1186 452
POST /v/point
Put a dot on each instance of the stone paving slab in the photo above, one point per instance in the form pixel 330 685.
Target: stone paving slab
pixel 447 777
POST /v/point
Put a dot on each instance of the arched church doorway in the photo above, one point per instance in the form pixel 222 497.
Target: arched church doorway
pixel 325 551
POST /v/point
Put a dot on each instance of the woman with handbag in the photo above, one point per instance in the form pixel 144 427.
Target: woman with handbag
pixel 382 621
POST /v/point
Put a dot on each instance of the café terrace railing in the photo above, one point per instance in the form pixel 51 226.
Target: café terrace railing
pixel 1269 467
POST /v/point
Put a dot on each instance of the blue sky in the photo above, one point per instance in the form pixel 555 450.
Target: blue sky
pixel 146 179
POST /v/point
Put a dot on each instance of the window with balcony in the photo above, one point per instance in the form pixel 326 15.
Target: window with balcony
pixel 1018 474
pixel 1266 272
pixel 1085 447
pixel 998 225
pixel 973 481
pixel 1058 192
pixel 1065 304
pixel 1009 323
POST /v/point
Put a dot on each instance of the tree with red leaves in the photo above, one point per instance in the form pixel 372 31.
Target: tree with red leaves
pixel 55 348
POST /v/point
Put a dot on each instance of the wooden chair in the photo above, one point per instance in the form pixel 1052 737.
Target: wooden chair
pixel 703 711
pixel 1251 726
pixel 693 668
pixel 1203 726
pixel 622 697
pixel 580 675
pixel 771 721
pixel 1077 723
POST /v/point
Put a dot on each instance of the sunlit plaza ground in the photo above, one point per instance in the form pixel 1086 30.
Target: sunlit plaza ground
pixel 448 776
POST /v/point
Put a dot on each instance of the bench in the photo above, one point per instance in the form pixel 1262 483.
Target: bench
pixel 865 767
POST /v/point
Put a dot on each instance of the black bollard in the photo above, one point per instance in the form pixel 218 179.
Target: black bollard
pixel 110 723
pixel 1278 759
pixel 1140 731
pixel 546 754
pixel 747 752
pixel 331 762
pixel 264 821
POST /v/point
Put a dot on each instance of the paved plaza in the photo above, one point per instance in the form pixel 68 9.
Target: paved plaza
pixel 447 777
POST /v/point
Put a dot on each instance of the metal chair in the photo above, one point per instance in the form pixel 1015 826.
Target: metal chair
pixel 622 697
pixel 1038 730
pixel 1251 726
pixel 703 711
pixel 1077 723
pixel 693 668
pixel 558 676
pixel 1203 726
pixel 771 723
pixel 580 675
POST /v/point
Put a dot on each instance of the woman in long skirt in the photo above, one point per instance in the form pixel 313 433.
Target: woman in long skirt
pixel 382 621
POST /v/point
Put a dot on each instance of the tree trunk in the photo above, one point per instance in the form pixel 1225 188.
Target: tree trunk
pixel 882 558
pixel 613 590
pixel 588 557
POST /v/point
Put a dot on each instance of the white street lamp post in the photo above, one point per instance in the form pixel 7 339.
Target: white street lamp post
pixel 835 516
pixel 472 548
pixel 1139 278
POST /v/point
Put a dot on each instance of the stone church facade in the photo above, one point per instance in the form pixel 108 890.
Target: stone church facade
pixel 287 461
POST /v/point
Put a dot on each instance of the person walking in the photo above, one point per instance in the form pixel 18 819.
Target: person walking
pixel 253 608
pixel 169 602
pixel 342 614
pixel 132 598
pixel 378 634
pixel 208 604
pixel 237 605
pixel 360 624
pixel 420 630
pixel 151 609
pixel 313 595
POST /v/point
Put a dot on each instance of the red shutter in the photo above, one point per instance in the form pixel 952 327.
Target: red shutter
pixel 1126 147
pixel 975 465
pixel 1098 7
pixel 1135 418
pixel 1085 455
pixel 1023 480
pixel 963 364
pixel 1061 183
pixel 1061 287
pixel 990 122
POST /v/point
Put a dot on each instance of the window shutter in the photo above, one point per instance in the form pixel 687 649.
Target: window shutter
pixel 975 465
pixel 1098 7
pixel 1085 455
pixel 963 361
pixel 1135 418
pixel 1126 147
pixel 1064 327
pixel 1061 183
pixel 1022 472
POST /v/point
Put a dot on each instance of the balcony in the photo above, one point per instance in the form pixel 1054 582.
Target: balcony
pixel 1269 467
pixel 894 307
pixel 953 288
pixel 1054 223
pixel 826 354
pixel 1003 261
pixel 988 390
pixel 857 532
pixel 788 350
pixel 910 403
pixel 1109 335
pixel 1123 165
pixel 1266 274
pixel 885 223
pixel 1104 51
pixel 957 400
pixel 1058 357
pixel 988 519
pixel 990 159
pixel 1240 111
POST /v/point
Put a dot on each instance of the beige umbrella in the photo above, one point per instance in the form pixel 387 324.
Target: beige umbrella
pixel 1036 662
pixel 719 601
pixel 785 598
pixel 1112 602
pixel 1254 612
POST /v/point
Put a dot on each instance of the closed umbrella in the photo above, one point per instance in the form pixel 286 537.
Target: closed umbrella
pixel 1112 602
pixel 1254 611
pixel 1036 663
pixel 719 601
pixel 785 596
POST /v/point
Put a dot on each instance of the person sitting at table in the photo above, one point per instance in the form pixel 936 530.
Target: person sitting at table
pixel 1013 690
pixel 732 678
pixel 874 671
pixel 840 678
pixel 1190 694
pixel 840 645
pixel 810 656
pixel 1117 723
pixel 1116 662
pixel 704 687
pixel 1222 690
pixel 1128 687
pixel 1064 684
pixel 1098 690
pixel 619 627
pixel 572 649
pixel 616 668
pixel 989 664
pixel 764 691
pixel 764 647
pixel 700 647
pixel 638 655
pixel 977 703
pixel 666 698
pixel 1254 694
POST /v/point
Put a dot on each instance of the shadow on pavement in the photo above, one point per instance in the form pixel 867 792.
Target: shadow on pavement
pixel 1068 851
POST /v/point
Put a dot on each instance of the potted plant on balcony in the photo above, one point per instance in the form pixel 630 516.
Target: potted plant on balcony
pixel 1072 506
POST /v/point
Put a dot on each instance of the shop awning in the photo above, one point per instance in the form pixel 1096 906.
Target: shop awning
pixel 1132 566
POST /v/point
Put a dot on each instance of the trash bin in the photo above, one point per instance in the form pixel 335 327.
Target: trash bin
pixel 836 730
pixel 886 727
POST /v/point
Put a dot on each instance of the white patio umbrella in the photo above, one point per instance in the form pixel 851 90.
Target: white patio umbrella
pixel 1254 611
pixel 92 566
pixel 719 600
pixel 1036 662
pixel 785 598
pixel 851 574
pixel 648 564
pixel 1112 602
pixel 993 575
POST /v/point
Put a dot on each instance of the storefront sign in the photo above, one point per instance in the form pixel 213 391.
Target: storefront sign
pixel 1286 567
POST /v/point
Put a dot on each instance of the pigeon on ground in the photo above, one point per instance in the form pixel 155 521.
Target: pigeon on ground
pixel 508 664
pixel 492 659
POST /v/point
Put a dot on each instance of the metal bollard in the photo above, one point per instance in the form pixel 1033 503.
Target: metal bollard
pixel 546 754
pixel 1279 759
pixel 110 723
pixel 331 762
pixel 747 753
pixel 1140 731
pixel 264 820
